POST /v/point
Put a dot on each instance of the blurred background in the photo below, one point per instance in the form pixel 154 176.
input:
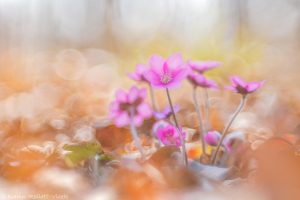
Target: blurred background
pixel 62 60
pixel 58 54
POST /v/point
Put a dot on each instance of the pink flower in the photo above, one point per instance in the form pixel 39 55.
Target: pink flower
pixel 242 87
pixel 130 107
pixel 203 66
pixel 166 73
pixel 167 112
pixel 169 135
pixel 158 125
pixel 138 75
pixel 212 138
pixel 200 80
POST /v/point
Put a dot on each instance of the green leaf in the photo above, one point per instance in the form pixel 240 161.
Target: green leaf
pixel 80 152
pixel 104 158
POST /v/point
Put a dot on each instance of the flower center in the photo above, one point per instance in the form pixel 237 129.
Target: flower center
pixel 166 78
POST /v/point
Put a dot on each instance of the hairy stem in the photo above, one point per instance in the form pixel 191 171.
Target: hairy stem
pixel 238 110
pixel 178 129
pixel 134 135
pixel 201 127
pixel 152 98
pixel 207 109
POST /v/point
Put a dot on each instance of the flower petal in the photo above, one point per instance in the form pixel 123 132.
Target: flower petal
pixel 158 125
pixel 138 120
pixel 177 76
pixel 133 94
pixel 212 138
pixel 154 79
pixel 144 110
pixel 230 88
pixel 140 68
pixel 121 96
pixel 134 76
pixel 251 87
pixel 122 119
pixel 156 63
pixel 237 81
pixel 175 61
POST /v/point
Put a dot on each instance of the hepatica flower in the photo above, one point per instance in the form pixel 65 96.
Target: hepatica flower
pixel 169 135
pixel 243 87
pixel 158 125
pixel 130 107
pixel 212 138
pixel 201 81
pixel 203 66
pixel 166 73
pixel 138 75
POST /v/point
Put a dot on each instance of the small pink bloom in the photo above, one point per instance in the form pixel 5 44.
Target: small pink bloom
pixel 169 135
pixel 158 125
pixel 203 66
pixel 127 104
pixel 138 75
pixel 166 73
pixel 243 87
pixel 200 80
pixel 167 112
pixel 212 138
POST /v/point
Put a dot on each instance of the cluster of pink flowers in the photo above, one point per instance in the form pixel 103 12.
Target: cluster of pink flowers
pixel 130 108
pixel 169 135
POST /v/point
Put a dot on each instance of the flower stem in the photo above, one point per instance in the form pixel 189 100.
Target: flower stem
pixel 207 109
pixel 238 110
pixel 135 137
pixel 201 128
pixel 178 129
pixel 152 98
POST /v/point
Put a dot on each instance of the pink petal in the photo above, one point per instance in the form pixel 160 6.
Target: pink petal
pixel 211 84
pixel 238 81
pixel 159 115
pixel 211 64
pixel 166 68
pixel 114 114
pixel 121 96
pixel 140 68
pixel 171 84
pixel 156 63
pixel 212 138
pixel 134 76
pixel 230 88
pixel 251 87
pixel 114 110
pixel 154 79
pixel 175 60
pixel 194 64
pixel 199 78
pixel 179 74
pixel 114 106
pixel 158 125
pixel 138 120
pixel 144 110
pixel 133 94
pixel 122 120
